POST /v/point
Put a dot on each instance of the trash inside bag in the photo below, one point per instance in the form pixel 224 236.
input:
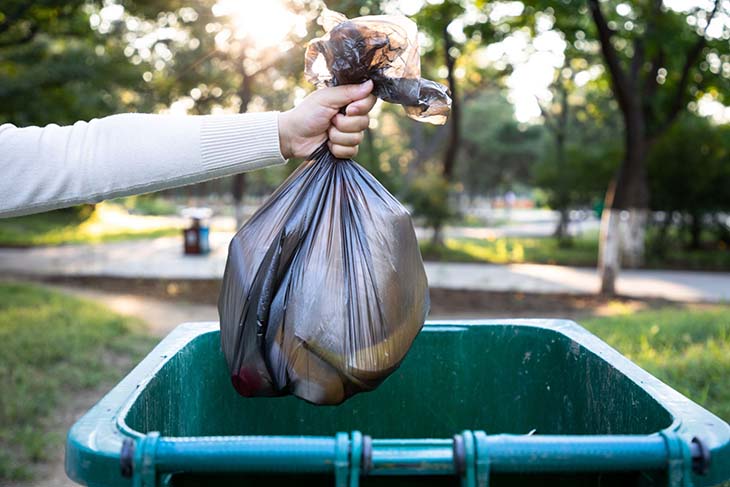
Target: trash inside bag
pixel 382 48
pixel 324 288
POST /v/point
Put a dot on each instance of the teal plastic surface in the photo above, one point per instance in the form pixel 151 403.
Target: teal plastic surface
pixel 520 402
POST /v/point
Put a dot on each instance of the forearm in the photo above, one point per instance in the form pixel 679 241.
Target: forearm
pixel 52 167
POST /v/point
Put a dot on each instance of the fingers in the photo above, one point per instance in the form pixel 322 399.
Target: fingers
pixel 346 131
pixel 344 138
pixel 339 96
pixel 342 151
pixel 351 123
pixel 343 145
pixel 362 106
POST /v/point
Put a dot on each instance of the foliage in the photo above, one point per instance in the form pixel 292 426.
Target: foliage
pixel 55 69
pixel 582 156
pixel 689 174
pixel 688 348
pixel 663 38
pixel 66 61
pixel 108 223
pixel 581 177
pixel 689 169
pixel 496 152
pixel 428 195
pixel 51 348
pixel 149 204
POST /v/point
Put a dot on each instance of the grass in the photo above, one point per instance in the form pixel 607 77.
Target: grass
pixel 547 250
pixel 107 223
pixel 686 347
pixel 148 204
pixel 53 347
pixel 513 251
pixel 713 259
pixel 472 221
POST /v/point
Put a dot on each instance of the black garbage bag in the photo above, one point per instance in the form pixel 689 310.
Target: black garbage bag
pixel 324 288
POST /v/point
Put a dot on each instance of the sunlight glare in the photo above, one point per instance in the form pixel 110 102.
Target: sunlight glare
pixel 267 23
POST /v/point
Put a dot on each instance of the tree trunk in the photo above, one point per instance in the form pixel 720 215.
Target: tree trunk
pixel 630 192
pixel 695 231
pixel 633 235
pixel 454 124
pixel 437 238
pixel 452 145
pixel 608 258
pixel 561 229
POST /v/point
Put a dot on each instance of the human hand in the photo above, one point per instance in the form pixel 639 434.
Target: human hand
pixel 316 119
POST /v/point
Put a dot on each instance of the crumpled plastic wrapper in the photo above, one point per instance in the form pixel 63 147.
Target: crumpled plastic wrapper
pixel 384 49
pixel 324 289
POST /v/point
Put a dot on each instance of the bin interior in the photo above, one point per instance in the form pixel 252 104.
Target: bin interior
pixel 500 378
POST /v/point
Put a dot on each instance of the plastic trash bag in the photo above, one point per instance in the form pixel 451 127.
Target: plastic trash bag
pixel 324 288
pixel 383 48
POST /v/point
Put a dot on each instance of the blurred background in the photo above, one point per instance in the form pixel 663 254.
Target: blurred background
pixel 583 173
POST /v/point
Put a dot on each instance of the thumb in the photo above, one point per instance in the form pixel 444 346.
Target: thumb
pixel 340 96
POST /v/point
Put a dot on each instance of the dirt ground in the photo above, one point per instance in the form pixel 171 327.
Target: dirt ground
pixel 445 303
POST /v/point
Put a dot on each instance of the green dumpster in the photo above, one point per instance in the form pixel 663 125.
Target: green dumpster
pixel 520 402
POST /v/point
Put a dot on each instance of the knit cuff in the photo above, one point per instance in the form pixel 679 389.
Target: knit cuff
pixel 238 143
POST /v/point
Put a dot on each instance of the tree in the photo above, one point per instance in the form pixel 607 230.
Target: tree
pixel 655 59
pixel 454 31
pixel 219 60
pixel 580 158
pixel 689 174
pixel 55 69
pixel 435 19
pixel 496 155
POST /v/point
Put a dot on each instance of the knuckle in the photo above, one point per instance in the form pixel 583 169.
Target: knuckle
pixel 351 91
pixel 346 126
pixel 339 121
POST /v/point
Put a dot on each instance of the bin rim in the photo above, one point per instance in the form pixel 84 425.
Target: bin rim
pixel 103 429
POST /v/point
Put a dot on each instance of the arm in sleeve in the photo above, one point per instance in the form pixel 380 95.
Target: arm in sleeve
pixel 43 168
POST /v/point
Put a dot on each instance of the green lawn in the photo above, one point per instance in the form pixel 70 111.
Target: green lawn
pixel 688 348
pixel 109 222
pixel 52 347
pixel 513 250
pixel 546 250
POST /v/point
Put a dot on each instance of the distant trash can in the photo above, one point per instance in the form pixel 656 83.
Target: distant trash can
pixel 196 238
pixel 522 402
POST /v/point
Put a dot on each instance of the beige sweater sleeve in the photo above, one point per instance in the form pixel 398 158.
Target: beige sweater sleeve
pixel 43 168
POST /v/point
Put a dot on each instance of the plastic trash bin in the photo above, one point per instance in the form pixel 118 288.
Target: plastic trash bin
pixel 196 238
pixel 522 402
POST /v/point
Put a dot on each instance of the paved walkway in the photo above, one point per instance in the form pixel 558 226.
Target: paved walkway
pixel 162 258
pixel 497 224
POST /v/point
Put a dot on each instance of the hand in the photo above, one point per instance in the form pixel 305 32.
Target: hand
pixel 316 119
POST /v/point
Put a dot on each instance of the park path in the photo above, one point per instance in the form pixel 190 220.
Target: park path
pixel 162 259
